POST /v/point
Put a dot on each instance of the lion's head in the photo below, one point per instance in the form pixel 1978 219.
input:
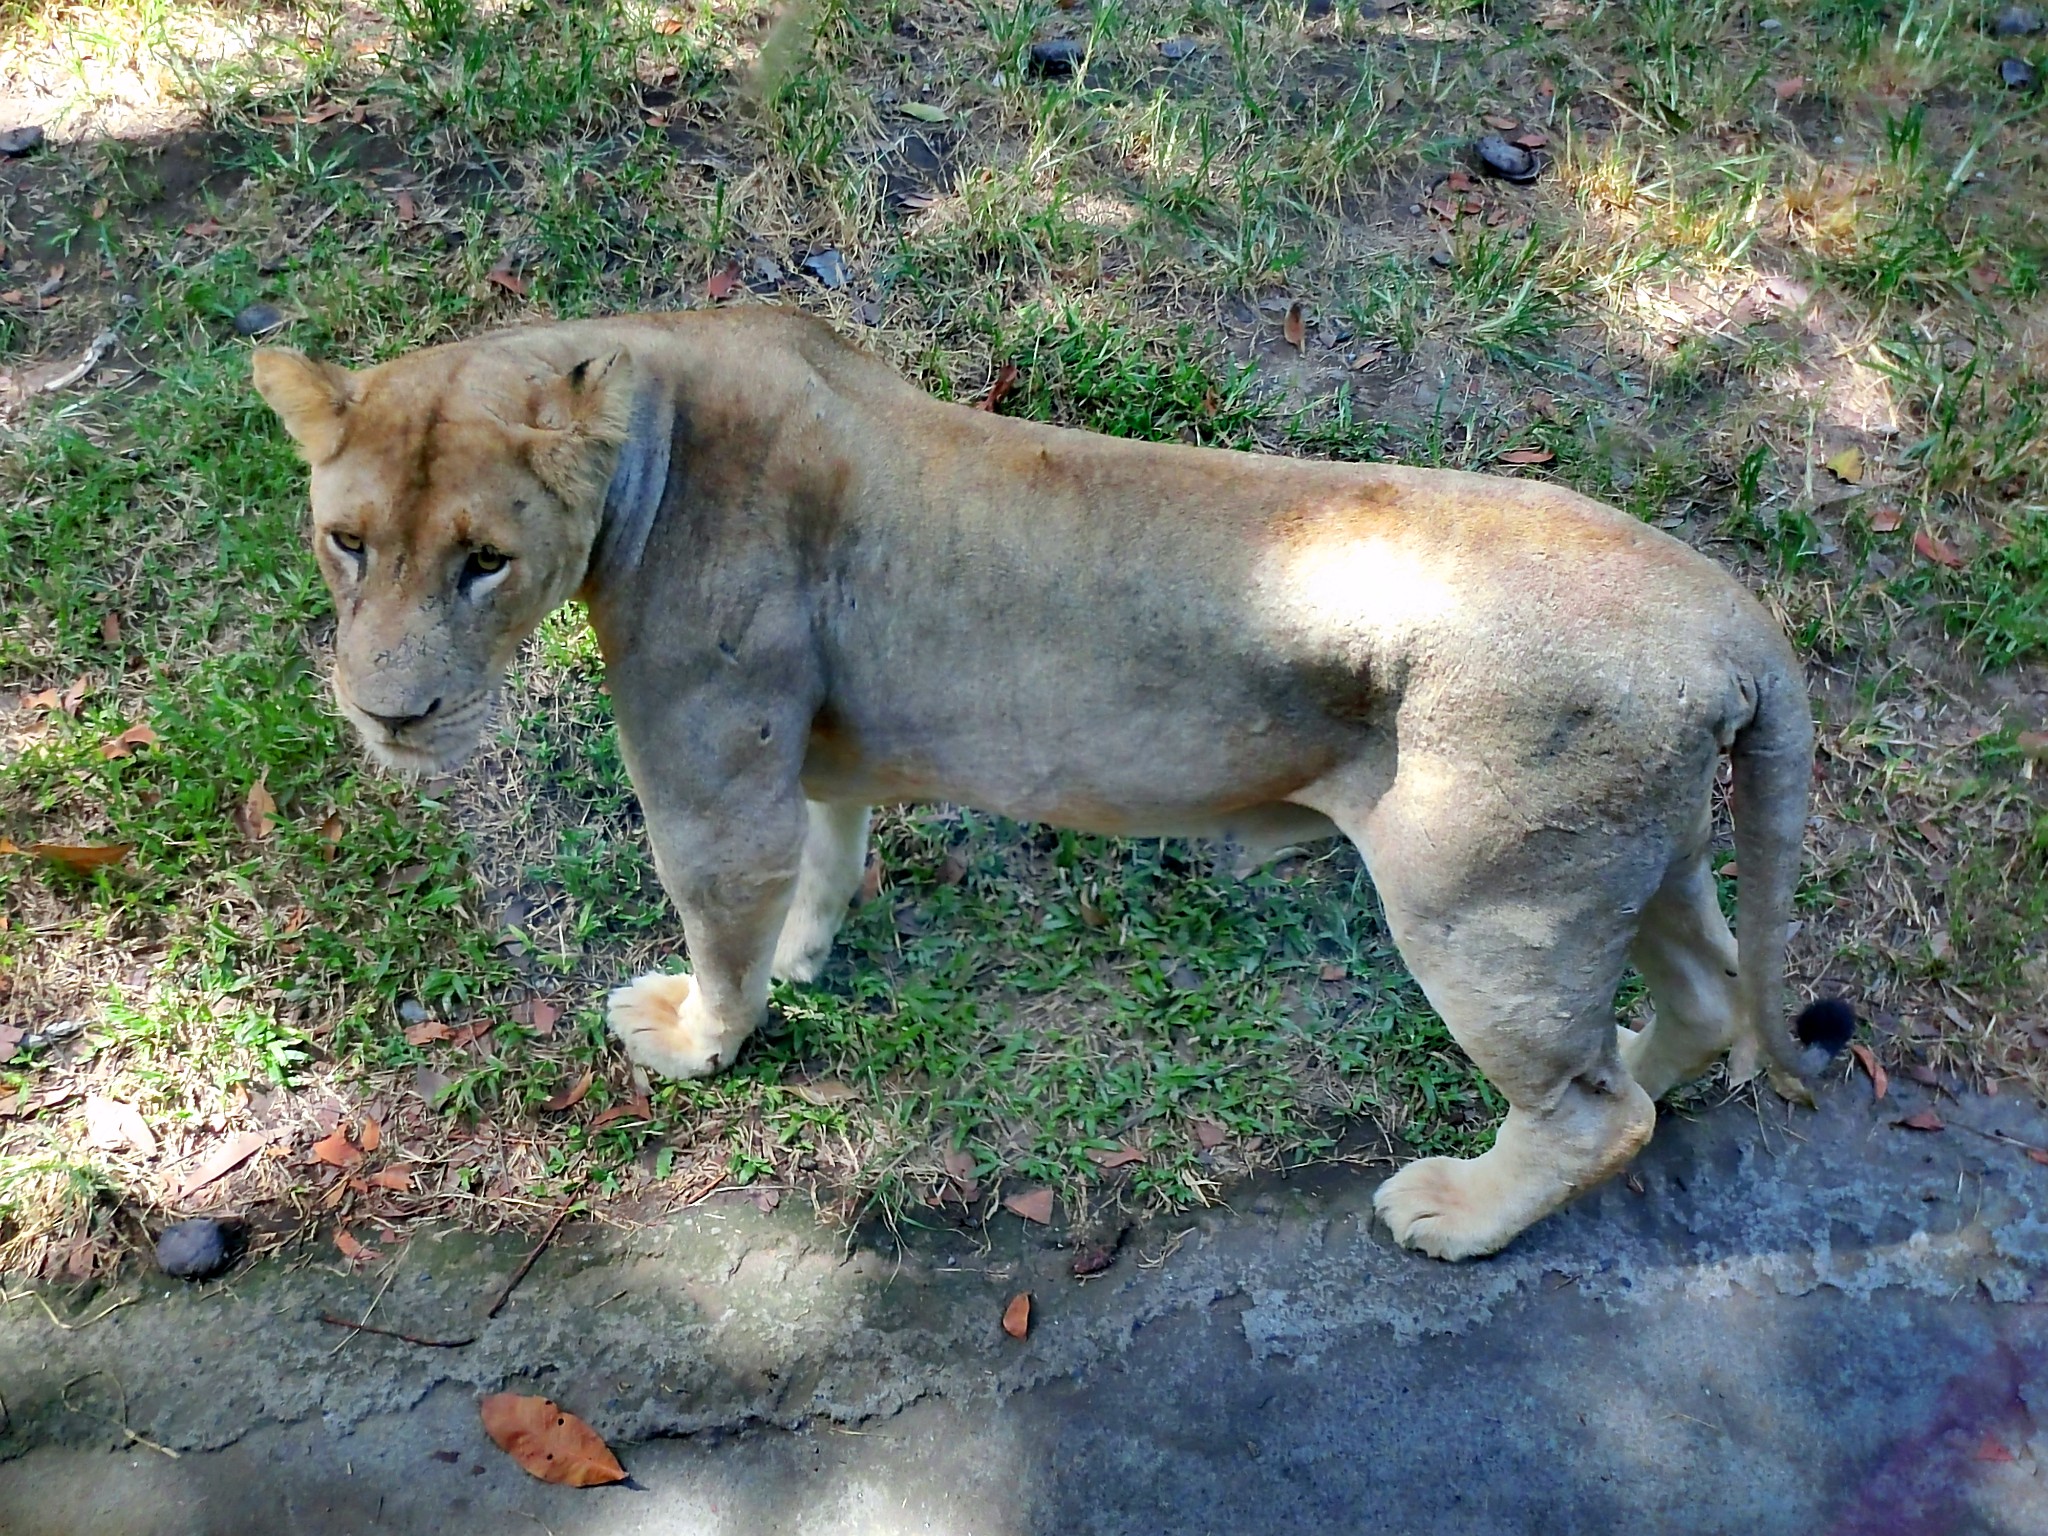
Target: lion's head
pixel 456 494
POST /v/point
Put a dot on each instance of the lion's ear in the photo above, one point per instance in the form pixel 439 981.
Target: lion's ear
pixel 582 414
pixel 310 398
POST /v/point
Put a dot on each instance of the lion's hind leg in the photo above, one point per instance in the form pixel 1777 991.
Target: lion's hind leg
pixel 834 860
pixel 1687 957
pixel 1519 940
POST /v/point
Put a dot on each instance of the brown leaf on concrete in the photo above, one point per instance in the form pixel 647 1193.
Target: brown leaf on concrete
pixel 1032 1205
pixel 1867 1059
pixel 1017 1315
pixel 1924 1120
pixel 555 1446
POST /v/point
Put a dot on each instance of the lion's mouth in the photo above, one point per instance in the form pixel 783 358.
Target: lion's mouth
pixel 430 747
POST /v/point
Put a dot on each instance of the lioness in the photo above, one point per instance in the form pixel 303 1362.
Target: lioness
pixel 818 589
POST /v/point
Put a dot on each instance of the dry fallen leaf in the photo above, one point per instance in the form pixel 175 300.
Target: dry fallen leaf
pixel 1527 456
pixel 503 275
pixel 1121 1157
pixel 110 628
pixel 1886 520
pixel 1867 1059
pixel 1017 1315
pixel 10 1042
pixel 635 1108
pixel 408 210
pixel 117 1127
pixel 1032 1205
pixel 421 1034
pixel 337 1151
pixel 1925 1120
pixel 76 857
pixel 537 1015
pixel 1533 138
pixel 2037 1154
pixel 998 391
pixel 221 1161
pixel 668 25
pixel 1294 328
pixel 1210 1134
pixel 398 1179
pixel 350 1249
pixel 1938 550
pixel 372 1134
pixel 257 815
pixel 1993 1449
pixel 125 743
pixel 1847 466
pixel 570 1097
pixel 1501 124
pixel 724 282
pixel 555 1446
pixel 1332 972
pixel 1789 88
pixel 824 1090
pixel 2033 744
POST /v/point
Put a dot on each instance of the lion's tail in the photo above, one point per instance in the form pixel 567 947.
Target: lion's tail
pixel 1773 757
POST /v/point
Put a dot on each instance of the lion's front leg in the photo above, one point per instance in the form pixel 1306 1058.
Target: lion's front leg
pixel 732 889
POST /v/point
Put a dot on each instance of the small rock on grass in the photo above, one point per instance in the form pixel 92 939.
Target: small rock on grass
pixel 258 320
pixel 194 1250
pixel 1055 57
pixel 412 1011
pixel 1510 162
pixel 16 142
pixel 2018 21
pixel 1174 49
pixel 2016 74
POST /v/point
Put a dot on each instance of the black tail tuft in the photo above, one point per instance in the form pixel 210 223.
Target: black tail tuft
pixel 1827 1023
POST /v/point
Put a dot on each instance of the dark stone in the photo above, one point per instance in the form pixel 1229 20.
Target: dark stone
pixel 16 142
pixel 412 1011
pixel 1497 157
pixel 258 320
pixel 2017 74
pixel 2018 21
pixel 195 1250
pixel 1056 57
pixel 1174 49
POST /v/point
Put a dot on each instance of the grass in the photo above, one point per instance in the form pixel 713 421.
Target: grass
pixel 1752 249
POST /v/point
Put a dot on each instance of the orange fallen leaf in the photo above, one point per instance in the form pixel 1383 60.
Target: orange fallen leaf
pixel 371 1137
pixel 1993 1449
pixel 668 25
pixel 1503 124
pixel 1032 1205
pixel 1886 520
pixel 350 1249
pixel 555 1446
pixel 221 1161
pixel 1940 551
pixel 110 628
pixel 998 391
pixel 257 814
pixel 1210 1134
pixel 1789 88
pixel 126 743
pixel 76 857
pixel 503 275
pixel 421 1034
pixel 1534 138
pixel 205 229
pixel 399 1179
pixel 724 282
pixel 1120 1157
pixel 1925 1120
pixel 1294 328
pixel 635 1108
pixel 1332 972
pixel 871 877
pixel 2037 1154
pixel 408 210
pixel 1867 1059
pixel 469 1034
pixel 337 1151
pixel 537 1015
pixel 1527 456
pixel 570 1097
pixel 1017 1315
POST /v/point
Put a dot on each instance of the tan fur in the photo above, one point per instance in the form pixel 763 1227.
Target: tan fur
pixel 1511 698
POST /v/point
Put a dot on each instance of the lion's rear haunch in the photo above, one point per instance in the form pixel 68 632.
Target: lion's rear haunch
pixel 1773 760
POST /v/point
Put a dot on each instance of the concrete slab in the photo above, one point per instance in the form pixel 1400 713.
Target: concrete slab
pixel 1810 1322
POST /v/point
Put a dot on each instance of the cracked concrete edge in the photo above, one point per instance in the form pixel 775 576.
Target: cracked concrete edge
pixel 723 1316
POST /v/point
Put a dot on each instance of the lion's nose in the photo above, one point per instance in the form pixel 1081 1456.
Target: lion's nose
pixel 396 723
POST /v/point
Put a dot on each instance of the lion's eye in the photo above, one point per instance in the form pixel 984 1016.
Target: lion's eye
pixel 348 543
pixel 486 562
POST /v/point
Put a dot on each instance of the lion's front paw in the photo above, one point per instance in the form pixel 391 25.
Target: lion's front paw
pixel 661 1022
pixel 1439 1206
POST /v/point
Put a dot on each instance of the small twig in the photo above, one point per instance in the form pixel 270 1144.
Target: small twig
pixel 392 1333
pixel 64 1396
pixel 519 1274
pixel 105 1311
pixel 2010 1141
pixel 389 1275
